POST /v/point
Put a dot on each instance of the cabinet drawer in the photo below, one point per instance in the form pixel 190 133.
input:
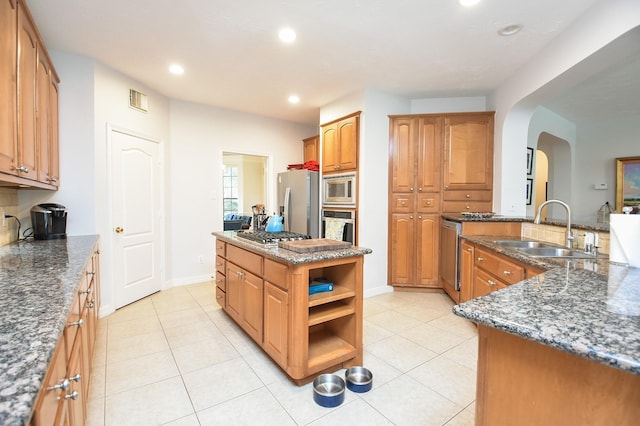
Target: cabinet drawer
pixel 221 281
pixel 221 248
pixel 402 203
pixel 500 267
pixel 276 273
pixel 466 206
pixel 245 259
pixel 221 264
pixel 428 202
pixel 484 283
pixel 467 195
pixel 71 328
pixel 221 297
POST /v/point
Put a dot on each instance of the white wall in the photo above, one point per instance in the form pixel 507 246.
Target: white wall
pixel 548 73
pixel 199 136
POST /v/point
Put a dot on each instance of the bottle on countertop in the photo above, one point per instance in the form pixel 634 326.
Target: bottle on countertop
pixel 604 212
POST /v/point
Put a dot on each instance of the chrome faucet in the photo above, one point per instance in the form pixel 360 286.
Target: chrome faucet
pixel 567 208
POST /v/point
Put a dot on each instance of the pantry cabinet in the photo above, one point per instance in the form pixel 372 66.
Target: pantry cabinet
pixel 29 110
pixel 438 163
pixel 340 144
pixel 414 224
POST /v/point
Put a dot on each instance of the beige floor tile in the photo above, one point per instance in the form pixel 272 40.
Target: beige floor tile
pixel 382 371
pixel 404 401
pixel 433 338
pixel 185 317
pixel 221 382
pixel 456 325
pixel 372 333
pixel 202 354
pixel 133 373
pixel 131 347
pixel 258 407
pixel 393 321
pixel 454 381
pixel 97 385
pixel 134 327
pixel 466 353
pixel 465 417
pixel 190 420
pixel 192 333
pixel 372 307
pixel 95 412
pixel 153 404
pixel 178 304
pixel 354 413
pixel 401 353
pixel 425 313
pixel 134 311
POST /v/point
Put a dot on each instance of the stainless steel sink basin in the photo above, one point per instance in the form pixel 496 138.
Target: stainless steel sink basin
pixel 555 252
pixel 522 244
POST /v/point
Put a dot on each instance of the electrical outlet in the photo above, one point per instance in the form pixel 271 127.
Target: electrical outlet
pixel 201 259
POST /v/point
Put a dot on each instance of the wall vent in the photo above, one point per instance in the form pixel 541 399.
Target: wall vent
pixel 138 100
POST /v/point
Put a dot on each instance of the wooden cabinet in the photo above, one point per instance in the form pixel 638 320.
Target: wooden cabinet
pixel 467 252
pixel 64 395
pixel 221 274
pixel 311 149
pixel 29 108
pixel 304 334
pixel 414 222
pixel 340 144
pixel 468 162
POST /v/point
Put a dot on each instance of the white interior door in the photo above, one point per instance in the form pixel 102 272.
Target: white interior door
pixel 136 183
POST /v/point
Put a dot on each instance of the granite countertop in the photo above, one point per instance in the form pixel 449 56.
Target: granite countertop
pixel 599 227
pixel 589 308
pixel 39 281
pixel 289 256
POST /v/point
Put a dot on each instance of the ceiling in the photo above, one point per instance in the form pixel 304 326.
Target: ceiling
pixel 233 58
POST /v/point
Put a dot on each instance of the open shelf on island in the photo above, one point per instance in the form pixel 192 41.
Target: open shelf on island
pixel 328 312
pixel 327 349
pixel 339 292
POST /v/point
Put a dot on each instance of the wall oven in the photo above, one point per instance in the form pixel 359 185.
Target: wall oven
pixel 339 225
pixel 339 190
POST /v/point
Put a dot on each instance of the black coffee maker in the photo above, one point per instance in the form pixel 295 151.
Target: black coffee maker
pixel 49 221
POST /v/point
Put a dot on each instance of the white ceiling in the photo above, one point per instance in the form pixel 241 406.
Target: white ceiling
pixel 233 58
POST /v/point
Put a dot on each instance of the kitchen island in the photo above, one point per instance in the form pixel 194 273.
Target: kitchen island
pixel 39 291
pixel 562 347
pixel 266 291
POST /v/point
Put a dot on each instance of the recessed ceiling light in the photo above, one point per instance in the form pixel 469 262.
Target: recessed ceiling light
pixel 510 30
pixel 294 99
pixel 287 35
pixel 176 69
pixel 468 3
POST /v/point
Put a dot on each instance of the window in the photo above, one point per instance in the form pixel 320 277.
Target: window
pixel 230 189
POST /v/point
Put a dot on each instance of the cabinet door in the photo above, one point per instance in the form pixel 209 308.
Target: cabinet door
pixel 276 333
pixel 8 87
pixel 49 406
pixel 483 283
pixel 42 118
pixel 348 144
pixel 234 287
pixel 27 53
pixel 75 395
pixel 330 148
pixel 310 149
pixel 466 271
pixel 468 149
pixel 251 303
pixel 427 244
pixel 428 151
pixel 54 137
pixel 402 249
pixel 402 155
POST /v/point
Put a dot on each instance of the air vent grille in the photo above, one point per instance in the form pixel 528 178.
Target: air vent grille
pixel 138 100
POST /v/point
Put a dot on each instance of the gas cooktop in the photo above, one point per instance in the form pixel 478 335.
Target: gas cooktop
pixel 270 239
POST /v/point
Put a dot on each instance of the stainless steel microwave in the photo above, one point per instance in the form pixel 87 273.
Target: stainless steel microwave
pixel 339 190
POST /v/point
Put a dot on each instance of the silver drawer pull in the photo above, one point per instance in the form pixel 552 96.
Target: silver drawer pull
pixel 481 259
pixel 491 282
pixel 64 385
pixel 218 297
pixel 73 395
pixel 78 323
pixel 75 378
pixel 507 272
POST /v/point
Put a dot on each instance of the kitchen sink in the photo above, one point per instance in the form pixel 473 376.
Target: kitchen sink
pixel 550 251
pixel 522 244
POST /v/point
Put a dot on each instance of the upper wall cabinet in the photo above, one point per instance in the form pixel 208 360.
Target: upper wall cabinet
pixel 29 106
pixel 340 145
pixel 311 148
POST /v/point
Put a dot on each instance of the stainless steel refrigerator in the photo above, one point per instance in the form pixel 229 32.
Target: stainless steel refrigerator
pixel 298 201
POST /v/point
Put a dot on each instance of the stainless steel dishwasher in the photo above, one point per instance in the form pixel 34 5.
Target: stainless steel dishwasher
pixel 450 257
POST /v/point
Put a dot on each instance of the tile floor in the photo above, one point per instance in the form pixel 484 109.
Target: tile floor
pixel 175 358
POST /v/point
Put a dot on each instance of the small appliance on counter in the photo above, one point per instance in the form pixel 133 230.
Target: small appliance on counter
pixel 49 221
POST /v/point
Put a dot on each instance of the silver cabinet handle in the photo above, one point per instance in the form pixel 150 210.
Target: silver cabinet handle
pixel 22 169
pixel 491 282
pixel 468 195
pixel 411 189
pixel 64 385
pixel 78 323
pixel 218 297
pixel 481 259
pixel 73 395
pixel 75 378
pixel 87 291
pixel 507 272
pixel 52 179
pixel 469 249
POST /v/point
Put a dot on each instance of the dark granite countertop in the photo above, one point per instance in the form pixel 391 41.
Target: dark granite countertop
pixel 289 256
pixel 589 308
pixel 600 227
pixel 39 281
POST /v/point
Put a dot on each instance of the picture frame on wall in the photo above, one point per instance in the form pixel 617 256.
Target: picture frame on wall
pixel 529 161
pixel 627 182
pixel 529 191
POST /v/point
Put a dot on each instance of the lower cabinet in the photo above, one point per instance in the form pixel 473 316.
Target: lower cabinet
pixel 304 334
pixel 63 398
pixel 414 250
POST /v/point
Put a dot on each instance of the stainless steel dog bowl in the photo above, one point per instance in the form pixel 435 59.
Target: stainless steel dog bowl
pixel 328 390
pixel 359 379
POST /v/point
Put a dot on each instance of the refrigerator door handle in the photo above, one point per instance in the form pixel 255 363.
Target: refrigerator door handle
pixel 287 199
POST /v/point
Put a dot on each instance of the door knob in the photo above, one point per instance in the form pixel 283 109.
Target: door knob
pixel 119 230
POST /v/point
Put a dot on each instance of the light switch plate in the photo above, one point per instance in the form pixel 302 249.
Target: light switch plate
pixel 600 186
